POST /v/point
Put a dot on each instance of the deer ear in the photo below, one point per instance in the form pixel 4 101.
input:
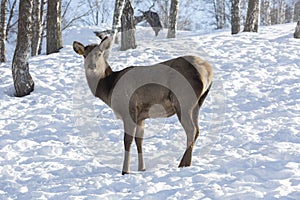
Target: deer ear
pixel 105 43
pixel 78 47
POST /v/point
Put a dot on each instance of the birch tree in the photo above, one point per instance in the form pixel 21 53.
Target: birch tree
pixel 297 30
pixel 36 27
pixel 10 24
pixel 23 82
pixel 54 34
pixel 3 30
pixel 265 13
pixel 252 16
pixel 119 7
pixel 173 16
pixel 292 12
pixel 235 16
pixel 220 15
pixel 43 25
pixel 281 11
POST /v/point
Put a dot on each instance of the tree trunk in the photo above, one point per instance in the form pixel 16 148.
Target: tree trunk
pixel 265 13
pixel 219 7
pixel 173 19
pixel 54 34
pixel 252 16
pixel 119 7
pixel 43 25
pixel 11 15
pixel 3 30
pixel 291 19
pixel 23 82
pixel 297 30
pixel 222 14
pixel 282 8
pixel 235 16
pixel 36 28
pixel 128 28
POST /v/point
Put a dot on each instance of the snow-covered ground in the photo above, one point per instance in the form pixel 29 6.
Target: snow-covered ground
pixel 61 143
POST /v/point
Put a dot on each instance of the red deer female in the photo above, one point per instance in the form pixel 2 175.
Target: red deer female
pixel 177 86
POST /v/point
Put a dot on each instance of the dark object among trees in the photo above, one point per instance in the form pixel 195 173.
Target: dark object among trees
pixel 128 27
pixel 54 34
pixel 252 16
pixel 3 30
pixel 23 82
pixel 297 31
pixel 152 18
pixel 235 16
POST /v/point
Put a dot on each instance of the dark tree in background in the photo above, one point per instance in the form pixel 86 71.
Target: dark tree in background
pixel 3 30
pixel 252 16
pixel 54 34
pixel 128 27
pixel 173 19
pixel 23 82
pixel 235 16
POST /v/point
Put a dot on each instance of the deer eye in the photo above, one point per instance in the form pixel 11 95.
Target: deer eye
pixel 98 54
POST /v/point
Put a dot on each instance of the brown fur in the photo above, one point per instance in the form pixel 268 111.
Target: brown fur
pixel 152 100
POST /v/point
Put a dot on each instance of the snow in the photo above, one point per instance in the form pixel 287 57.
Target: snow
pixel 61 143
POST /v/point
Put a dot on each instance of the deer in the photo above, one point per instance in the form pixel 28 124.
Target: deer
pixel 176 86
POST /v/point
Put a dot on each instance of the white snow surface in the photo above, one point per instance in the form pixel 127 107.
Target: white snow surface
pixel 62 143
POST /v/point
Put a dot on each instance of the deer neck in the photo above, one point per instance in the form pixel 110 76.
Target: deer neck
pixel 95 75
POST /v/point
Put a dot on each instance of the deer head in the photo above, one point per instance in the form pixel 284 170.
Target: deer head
pixel 95 61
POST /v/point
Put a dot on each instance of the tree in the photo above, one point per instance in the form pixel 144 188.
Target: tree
pixel 11 15
pixel 252 16
pixel 265 13
pixel 119 7
pixel 297 30
pixel 235 16
pixel 43 25
pixel 220 14
pixel 36 27
pixel 281 11
pixel 3 30
pixel 173 19
pixel 127 27
pixel 99 11
pixel 54 34
pixel 23 82
pixel 291 13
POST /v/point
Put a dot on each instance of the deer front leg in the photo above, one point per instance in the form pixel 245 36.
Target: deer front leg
pixel 139 137
pixel 129 133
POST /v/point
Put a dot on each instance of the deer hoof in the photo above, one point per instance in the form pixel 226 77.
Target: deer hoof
pixel 123 173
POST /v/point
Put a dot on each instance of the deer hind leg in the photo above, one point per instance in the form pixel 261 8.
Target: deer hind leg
pixel 129 134
pixel 195 121
pixel 196 111
pixel 191 129
pixel 139 137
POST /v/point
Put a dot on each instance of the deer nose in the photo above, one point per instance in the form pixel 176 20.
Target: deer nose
pixel 92 66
